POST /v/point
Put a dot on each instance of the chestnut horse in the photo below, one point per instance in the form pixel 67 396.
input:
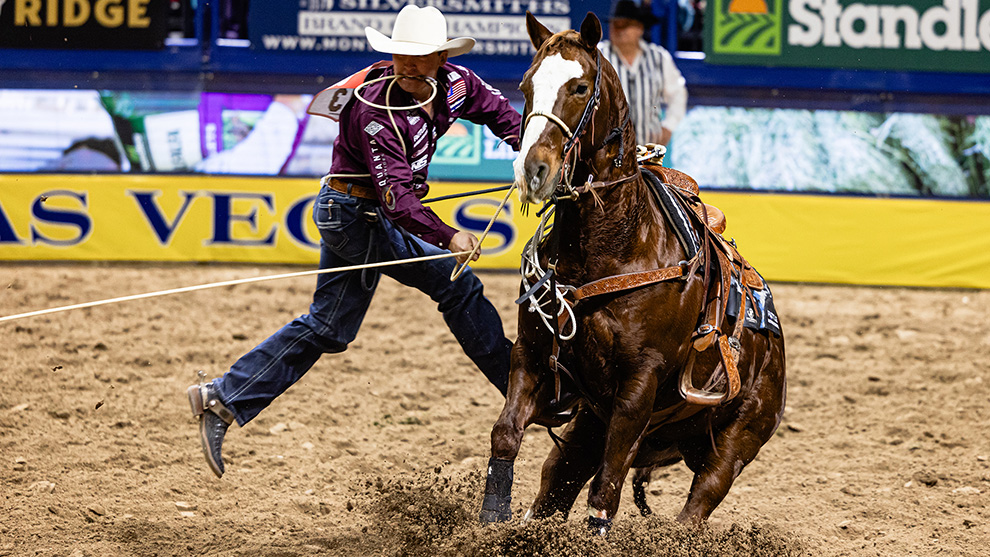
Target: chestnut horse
pixel 625 363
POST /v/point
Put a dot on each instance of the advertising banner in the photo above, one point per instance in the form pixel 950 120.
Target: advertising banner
pixel 809 238
pixel 199 218
pixel 830 151
pixel 86 24
pixel 202 132
pixel 918 35
pixel 307 26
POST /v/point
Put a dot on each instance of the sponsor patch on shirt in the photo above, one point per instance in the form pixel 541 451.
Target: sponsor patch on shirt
pixel 373 127
pixel 413 120
pixel 420 134
pixel 457 93
pixel 418 164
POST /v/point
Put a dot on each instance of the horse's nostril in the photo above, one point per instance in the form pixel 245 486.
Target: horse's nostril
pixel 537 172
pixel 541 172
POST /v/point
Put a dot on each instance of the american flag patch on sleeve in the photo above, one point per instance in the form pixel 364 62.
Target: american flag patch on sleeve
pixel 456 94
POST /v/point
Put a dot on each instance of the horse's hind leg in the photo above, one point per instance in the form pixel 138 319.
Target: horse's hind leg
pixel 640 479
pixel 735 446
pixel 571 463
pixel 647 460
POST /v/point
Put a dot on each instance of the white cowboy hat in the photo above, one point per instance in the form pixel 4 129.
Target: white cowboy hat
pixel 418 31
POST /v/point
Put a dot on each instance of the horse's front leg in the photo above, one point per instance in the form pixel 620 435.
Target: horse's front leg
pixel 507 434
pixel 631 411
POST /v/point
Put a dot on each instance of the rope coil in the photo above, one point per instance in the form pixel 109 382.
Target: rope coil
pixel 531 268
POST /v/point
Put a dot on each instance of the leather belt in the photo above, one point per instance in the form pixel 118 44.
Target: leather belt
pixel 364 192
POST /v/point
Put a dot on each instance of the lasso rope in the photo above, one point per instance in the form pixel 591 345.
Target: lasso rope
pixel 230 283
pixel 477 247
pixel 540 295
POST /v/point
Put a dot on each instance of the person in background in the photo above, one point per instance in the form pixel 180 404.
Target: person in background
pixel 691 18
pixel 368 210
pixel 92 154
pixel 653 85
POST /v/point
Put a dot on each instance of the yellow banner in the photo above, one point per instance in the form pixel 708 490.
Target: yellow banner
pixel 804 238
pixel 207 218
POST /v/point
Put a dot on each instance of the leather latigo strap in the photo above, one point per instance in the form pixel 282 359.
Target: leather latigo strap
pixel 364 192
pixel 628 281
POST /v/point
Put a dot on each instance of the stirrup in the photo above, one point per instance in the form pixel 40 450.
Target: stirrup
pixel 729 352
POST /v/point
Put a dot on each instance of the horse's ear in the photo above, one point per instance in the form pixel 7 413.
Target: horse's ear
pixel 538 33
pixel 591 30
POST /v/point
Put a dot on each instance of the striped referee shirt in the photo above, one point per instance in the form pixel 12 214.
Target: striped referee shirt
pixel 654 89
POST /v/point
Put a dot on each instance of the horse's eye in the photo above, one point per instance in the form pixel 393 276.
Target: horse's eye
pixel 581 89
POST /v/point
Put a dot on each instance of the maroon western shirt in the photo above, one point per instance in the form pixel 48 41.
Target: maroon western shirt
pixel 368 143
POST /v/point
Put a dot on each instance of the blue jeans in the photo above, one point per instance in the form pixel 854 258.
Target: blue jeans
pixel 348 237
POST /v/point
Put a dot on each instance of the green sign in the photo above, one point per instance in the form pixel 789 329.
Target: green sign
pixel 920 35
pixel 752 32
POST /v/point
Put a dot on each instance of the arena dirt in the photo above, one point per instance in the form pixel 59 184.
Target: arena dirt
pixel 381 450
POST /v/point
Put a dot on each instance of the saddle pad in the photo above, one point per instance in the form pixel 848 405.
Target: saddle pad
pixel 761 315
pixel 675 212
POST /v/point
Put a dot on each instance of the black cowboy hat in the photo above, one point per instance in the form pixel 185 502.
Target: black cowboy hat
pixel 627 9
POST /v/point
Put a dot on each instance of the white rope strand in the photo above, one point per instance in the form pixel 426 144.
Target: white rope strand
pixel 477 247
pixel 229 283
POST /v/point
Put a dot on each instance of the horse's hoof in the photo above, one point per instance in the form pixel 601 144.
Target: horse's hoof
pixel 599 526
pixel 491 516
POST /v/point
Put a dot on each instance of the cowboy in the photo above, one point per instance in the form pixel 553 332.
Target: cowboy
pixel 369 210
pixel 647 72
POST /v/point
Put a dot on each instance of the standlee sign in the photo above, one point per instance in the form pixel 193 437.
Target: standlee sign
pixel 915 35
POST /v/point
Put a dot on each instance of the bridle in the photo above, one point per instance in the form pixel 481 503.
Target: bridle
pixel 586 116
pixel 565 187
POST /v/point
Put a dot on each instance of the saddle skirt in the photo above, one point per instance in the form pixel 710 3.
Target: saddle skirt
pixel 677 193
pixel 733 287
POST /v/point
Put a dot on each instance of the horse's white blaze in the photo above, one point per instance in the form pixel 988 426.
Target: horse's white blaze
pixel 553 73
